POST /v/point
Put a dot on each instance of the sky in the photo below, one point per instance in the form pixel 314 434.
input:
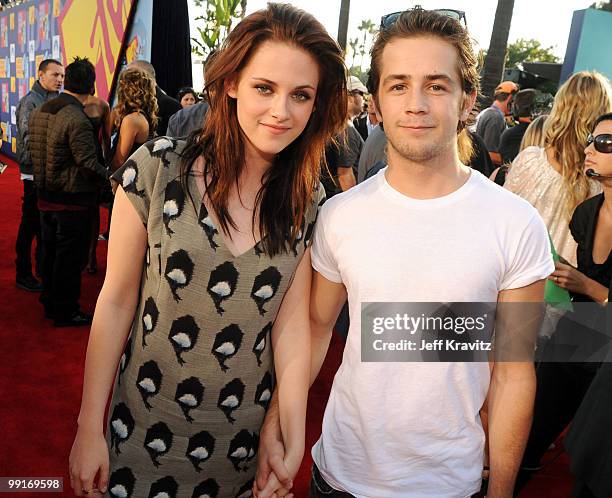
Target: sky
pixel 547 21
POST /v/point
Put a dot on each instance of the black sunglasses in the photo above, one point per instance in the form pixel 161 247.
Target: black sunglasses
pixel 389 20
pixel 602 143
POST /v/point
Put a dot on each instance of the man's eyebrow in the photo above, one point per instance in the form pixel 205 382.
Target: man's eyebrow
pixel 393 77
pixel 439 76
pixel 272 83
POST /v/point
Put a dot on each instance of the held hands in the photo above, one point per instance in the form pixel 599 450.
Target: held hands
pixel 274 478
pixel 567 277
pixel 88 458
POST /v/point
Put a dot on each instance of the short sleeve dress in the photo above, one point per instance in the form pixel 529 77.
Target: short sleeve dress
pixel 197 372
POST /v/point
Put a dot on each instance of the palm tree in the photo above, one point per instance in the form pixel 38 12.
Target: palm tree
pixel 494 62
pixel 345 8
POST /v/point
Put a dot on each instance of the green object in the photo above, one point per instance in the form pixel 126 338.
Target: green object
pixel 554 295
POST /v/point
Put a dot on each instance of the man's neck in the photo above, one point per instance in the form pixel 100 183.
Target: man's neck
pixel 436 178
pixel 524 120
pixel 81 98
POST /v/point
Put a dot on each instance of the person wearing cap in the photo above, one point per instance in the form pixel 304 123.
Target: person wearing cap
pixel 522 109
pixel 491 122
pixel 342 157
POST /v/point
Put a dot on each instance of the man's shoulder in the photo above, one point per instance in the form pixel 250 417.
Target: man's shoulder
pixel 357 196
pixel 500 202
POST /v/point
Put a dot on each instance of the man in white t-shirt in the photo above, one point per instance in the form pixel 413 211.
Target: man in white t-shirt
pixel 417 232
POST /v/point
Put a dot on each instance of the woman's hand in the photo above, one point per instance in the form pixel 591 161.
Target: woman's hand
pixel 88 458
pixel 568 277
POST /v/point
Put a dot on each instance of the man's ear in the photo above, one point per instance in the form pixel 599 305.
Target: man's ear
pixel 468 104
pixel 376 111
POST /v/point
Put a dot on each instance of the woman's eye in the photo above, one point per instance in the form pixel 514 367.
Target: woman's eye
pixel 263 89
pixel 301 96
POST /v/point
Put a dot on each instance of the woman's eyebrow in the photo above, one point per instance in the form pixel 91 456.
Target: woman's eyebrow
pixel 272 83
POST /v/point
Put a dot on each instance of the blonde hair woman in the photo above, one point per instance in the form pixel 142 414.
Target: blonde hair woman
pixel 552 177
pixel 135 115
pixel 534 135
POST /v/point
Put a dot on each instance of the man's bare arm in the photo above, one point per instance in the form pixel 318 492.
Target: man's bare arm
pixel 510 405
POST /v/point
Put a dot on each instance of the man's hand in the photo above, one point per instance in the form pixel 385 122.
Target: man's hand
pixel 270 458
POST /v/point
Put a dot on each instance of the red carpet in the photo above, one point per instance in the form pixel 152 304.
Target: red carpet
pixel 41 370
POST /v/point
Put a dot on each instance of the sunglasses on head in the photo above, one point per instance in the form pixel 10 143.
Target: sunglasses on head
pixel 389 20
pixel 602 143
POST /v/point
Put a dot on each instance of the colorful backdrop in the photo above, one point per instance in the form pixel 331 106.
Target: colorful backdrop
pixel 60 29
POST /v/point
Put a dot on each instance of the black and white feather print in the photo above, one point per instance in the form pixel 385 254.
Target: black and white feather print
pixel 205 221
pixel 189 395
pixel 121 483
pixel 261 342
pixel 149 381
pixel 174 203
pixel 263 393
pixel 179 271
pixel 246 491
pixel 121 426
pixel 129 178
pixel 158 441
pixel 125 358
pixel 309 232
pixel 183 336
pixel 258 249
pixel 242 449
pixel 230 398
pixel 150 316
pixel 222 284
pixel 298 238
pixel 166 487
pixel 206 489
pixel 162 147
pixel 227 343
pixel 200 448
pixel 265 287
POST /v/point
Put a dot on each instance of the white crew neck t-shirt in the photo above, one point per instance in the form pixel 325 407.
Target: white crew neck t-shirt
pixel 413 429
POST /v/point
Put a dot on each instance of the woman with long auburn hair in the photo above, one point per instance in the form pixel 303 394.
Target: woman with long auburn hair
pixel 552 177
pixel 209 268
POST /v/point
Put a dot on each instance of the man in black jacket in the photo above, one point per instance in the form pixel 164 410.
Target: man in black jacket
pixel 47 86
pixel 68 176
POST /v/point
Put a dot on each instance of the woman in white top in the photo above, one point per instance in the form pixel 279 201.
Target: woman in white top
pixel 552 177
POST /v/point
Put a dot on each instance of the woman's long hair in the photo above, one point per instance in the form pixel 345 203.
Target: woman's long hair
pixel 578 103
pixel 289 185
pixel 136 93
pixel 534 135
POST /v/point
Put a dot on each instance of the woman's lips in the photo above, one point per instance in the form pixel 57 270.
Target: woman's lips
pixel 275 130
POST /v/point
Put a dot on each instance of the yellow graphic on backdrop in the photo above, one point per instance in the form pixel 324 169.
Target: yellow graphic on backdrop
pixel 2 67
pixel 32 81
pixel 13 84
pixel 39 59
pixel 32 14
pixel 14 145
pixel 56 8
pixel 95 29
pixel 12 20
pixel 19 67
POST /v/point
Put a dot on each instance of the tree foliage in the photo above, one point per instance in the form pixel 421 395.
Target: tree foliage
pixel 359 47
pixel 602 5
pixel 217 20
pixel 523 50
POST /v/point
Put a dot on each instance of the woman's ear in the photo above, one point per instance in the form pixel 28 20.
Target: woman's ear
pixel 231 89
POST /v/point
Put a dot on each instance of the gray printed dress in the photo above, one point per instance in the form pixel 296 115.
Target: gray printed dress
pixel 197 372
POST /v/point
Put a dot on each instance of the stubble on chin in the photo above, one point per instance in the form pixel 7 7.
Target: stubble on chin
pixel 424 153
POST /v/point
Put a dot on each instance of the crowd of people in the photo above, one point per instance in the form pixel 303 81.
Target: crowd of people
pixel 249 224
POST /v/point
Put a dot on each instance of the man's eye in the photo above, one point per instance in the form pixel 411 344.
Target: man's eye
pixel 398 87
pixel 437 88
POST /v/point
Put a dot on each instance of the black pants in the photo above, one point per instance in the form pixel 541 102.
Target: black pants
pixel 29 228
pixel 320 489
pixel 560 390
pixel 65 238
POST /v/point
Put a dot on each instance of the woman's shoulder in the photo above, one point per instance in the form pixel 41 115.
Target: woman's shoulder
pixel 135 119
pixel 531 156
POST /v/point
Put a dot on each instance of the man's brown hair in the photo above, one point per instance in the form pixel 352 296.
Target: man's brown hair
pixel 428 23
